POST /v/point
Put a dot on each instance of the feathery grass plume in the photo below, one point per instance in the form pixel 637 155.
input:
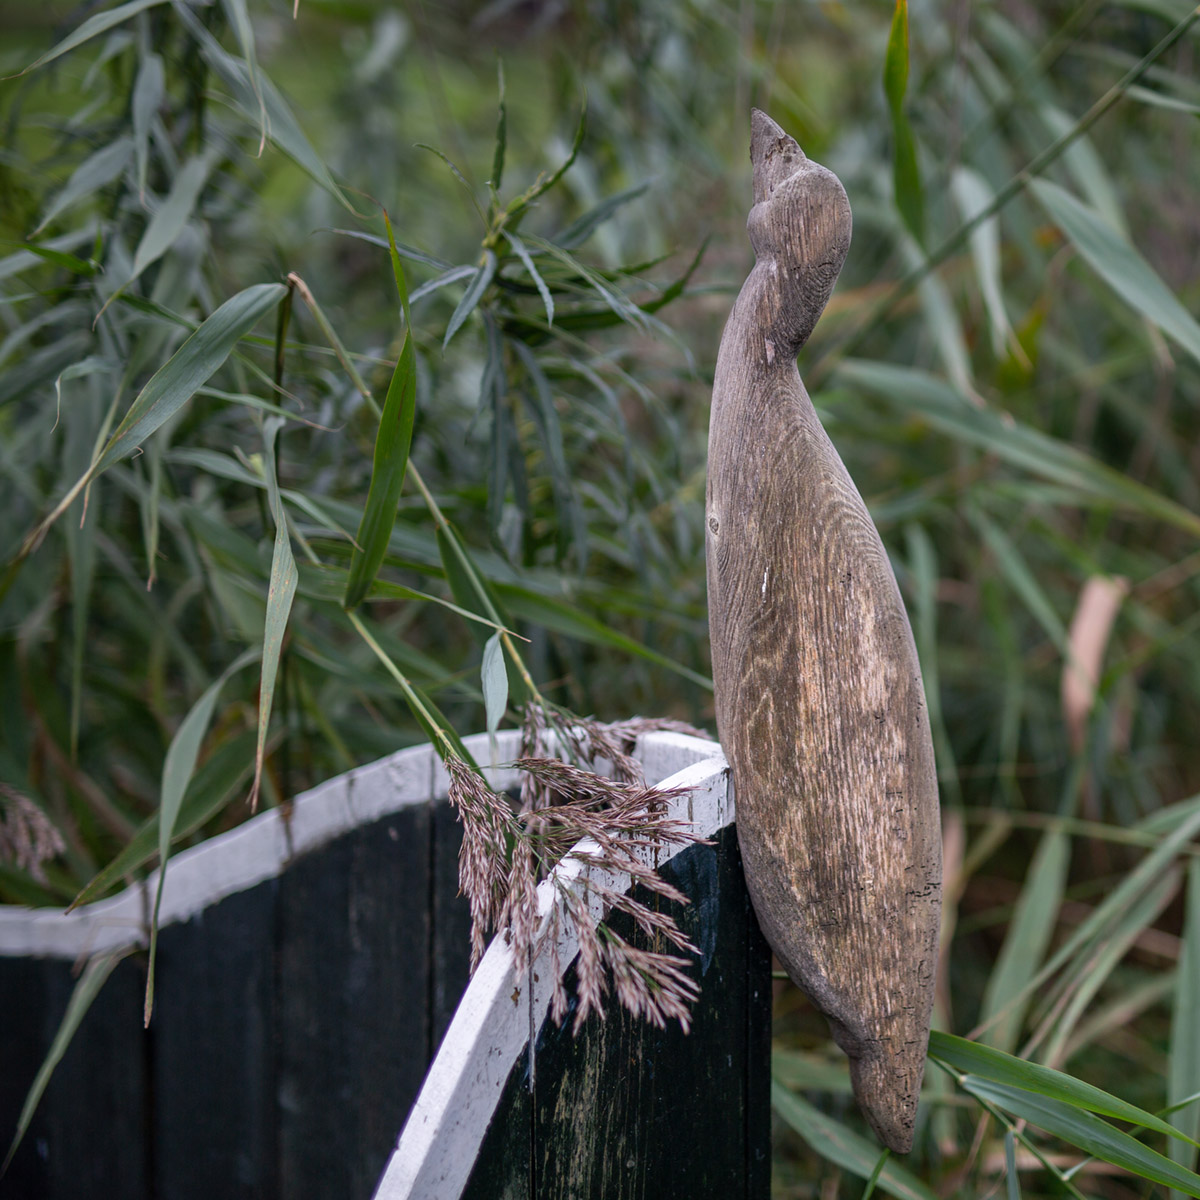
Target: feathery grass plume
pixel 506 854
pixel 27 836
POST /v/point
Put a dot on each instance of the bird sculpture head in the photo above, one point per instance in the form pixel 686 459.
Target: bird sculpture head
pixel 799 227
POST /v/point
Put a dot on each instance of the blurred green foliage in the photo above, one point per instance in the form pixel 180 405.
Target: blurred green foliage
pixel 1009 366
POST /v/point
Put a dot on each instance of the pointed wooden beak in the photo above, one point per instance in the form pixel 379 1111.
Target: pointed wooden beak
pixel 775 156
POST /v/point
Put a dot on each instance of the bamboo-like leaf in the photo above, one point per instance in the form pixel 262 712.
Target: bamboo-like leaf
pixel 1025 943
pixel 191 366
pixel 1011 1180
pixel 1021 579
pixel 392 443
pixel 475 289
pixel 1080 1128
pixel 923 563
pixel 1089 974
pixel 1029 449
pixel 173 214
pixel 850 1151
pixel 282 128
pixel 95 172
pixel 1120 265
pixel 621 305
pixel 239 18
pixel 1183 1070
pixel 583 227
pixel 280 592
pixel 905 174
pixel 82 995
pixel 986 1063
pixel 494 679
pixel 95 25
pixel 501 133
pixel 148 91
pixel 527 262
pixel 447 277
pixel 974 195
pixel 178 767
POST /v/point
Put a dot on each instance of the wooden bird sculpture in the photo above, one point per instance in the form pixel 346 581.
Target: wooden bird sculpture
pixel 819 700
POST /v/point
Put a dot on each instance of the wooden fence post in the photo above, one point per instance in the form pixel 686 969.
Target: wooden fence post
pixel 307 971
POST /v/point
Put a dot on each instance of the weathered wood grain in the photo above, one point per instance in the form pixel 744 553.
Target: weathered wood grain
pixel 820 705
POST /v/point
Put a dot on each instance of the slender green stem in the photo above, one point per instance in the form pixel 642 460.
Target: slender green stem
pixel 410 694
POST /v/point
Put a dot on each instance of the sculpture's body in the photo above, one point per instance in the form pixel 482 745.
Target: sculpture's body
pixel 819 699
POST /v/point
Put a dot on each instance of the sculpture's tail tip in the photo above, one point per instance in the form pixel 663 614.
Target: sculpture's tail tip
pixel 887 1091
pixel 774 154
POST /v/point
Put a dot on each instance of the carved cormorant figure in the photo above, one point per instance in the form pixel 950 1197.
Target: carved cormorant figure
pixel 819 700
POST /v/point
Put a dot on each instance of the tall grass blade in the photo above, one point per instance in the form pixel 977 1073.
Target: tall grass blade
pixel 1080 1128
pixel 190 367
pixel 173 214
pixel 1020 445
pixel 494 679
pixel 1119 264
pixel 974 194
pixel 392 443
pixel 283 130
pixel 95 172
pixel 906 177
pixel 849 1150
pixel 471 297
pixel 148 92
pixel 1025 943
pixel 178 766
pixel 85 991
pixel 95 25
pixel 280 592
pixel 1183 1071
pixel 522 253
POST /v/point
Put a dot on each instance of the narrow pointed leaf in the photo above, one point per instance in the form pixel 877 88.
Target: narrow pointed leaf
pixel 173 214
pixel 471 297
pixel 1183 1071
pixel 1020 445
pixel 494 678
pixel 191 366
pixel 94 173
pixel 1025 943
pixel 212 787
pixel 82 995
pixel 283 130
pixel 847 1149
pixel 554 614
pixel 1087 1132
pixel 986 1063
pixel 95 25
pixel 178 767
pixel 905 175
pixel 973 194
pixel 392 443
pixel 538 282
pixel 148 92
pixel 1120 265
pixel 501 133
pixel 280 592
pixel 583 227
